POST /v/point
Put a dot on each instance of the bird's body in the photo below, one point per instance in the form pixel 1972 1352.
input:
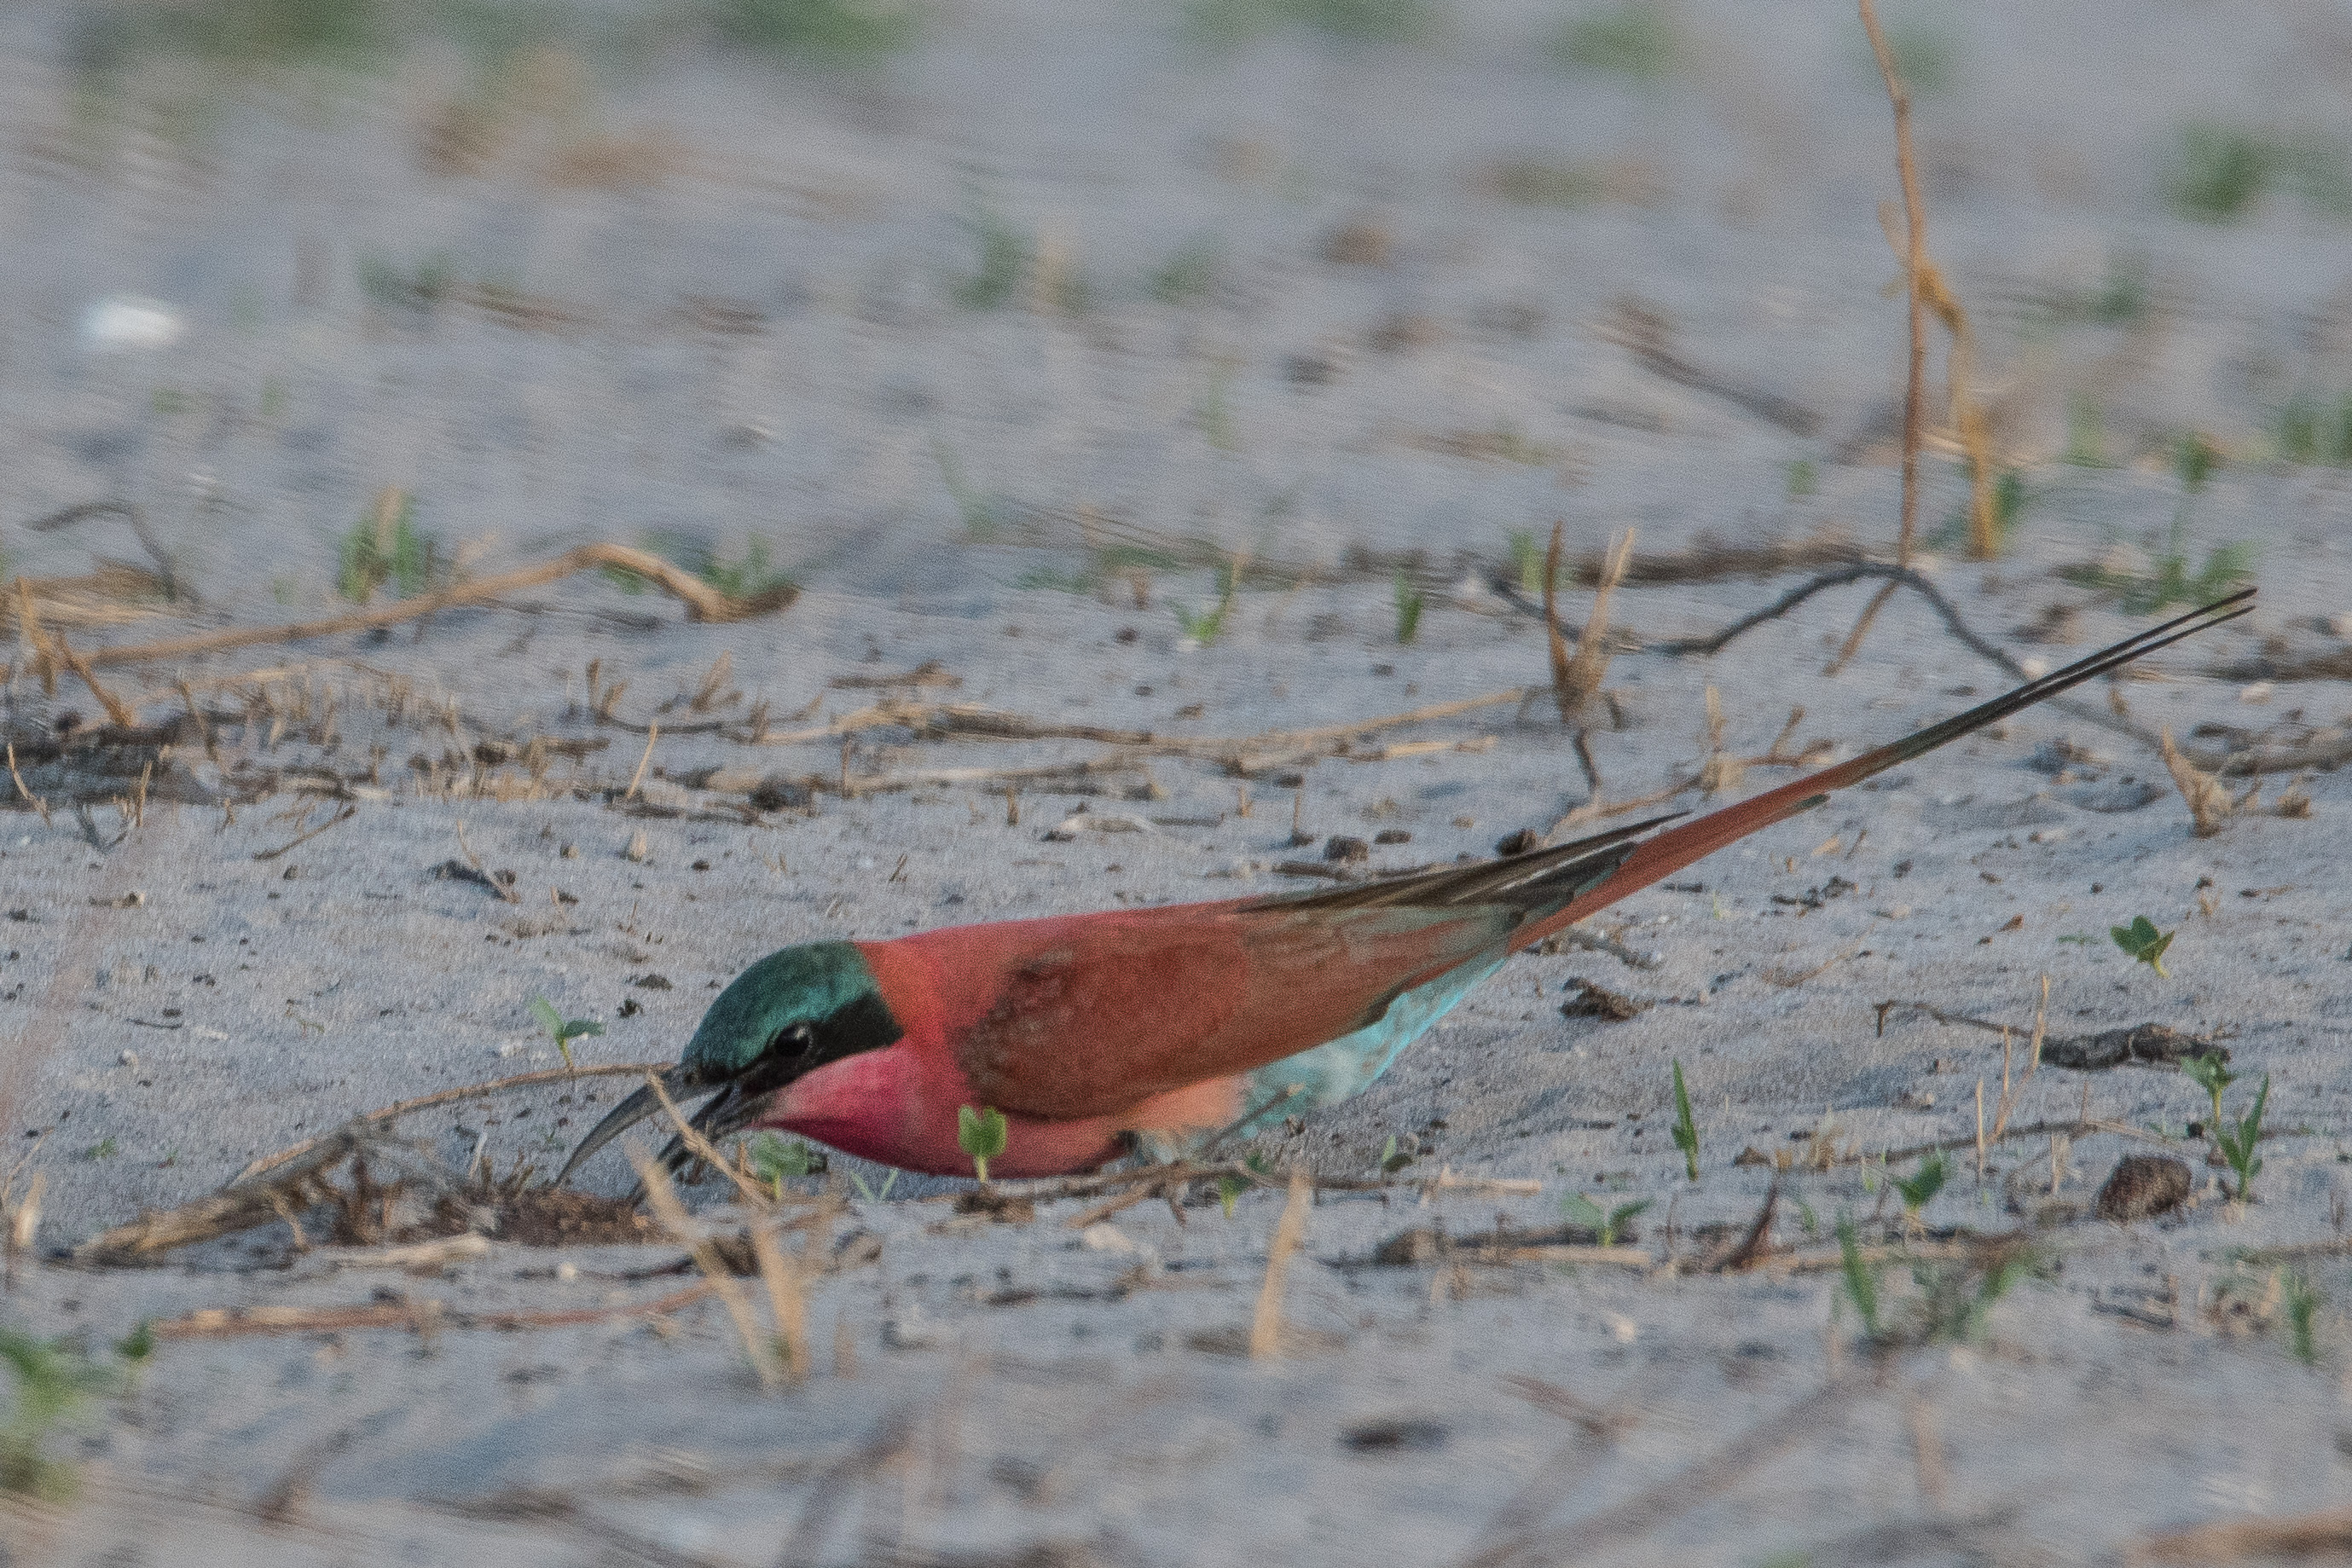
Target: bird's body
pixel 1165 1028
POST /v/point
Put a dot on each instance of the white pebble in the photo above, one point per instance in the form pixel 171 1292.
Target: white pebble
pixel 2260 691
pixel 125 322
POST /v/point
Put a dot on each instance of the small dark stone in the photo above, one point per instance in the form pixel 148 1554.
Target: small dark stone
pixel 1125 634
pixel 1587 1000
pixel 1344 851
pixel 2142 1186
pixel 651 982
pixel 778 793
pixel 702 866
pixel 1392 836
pixel 1520 843
pixel 1394 1434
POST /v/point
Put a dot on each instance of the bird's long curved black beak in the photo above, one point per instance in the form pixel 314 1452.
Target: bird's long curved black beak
pixel 625 1116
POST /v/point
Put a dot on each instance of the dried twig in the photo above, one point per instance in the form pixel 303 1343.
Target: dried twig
pixel 505 890
pixel 2209 805
pixel 1914 380
pixel 703 602
pixel 223 1323
pixel 17 779
pixel 446 1096
pixel 673 1218
pixel 2302 1535
pixel 116 710
pixel 345 815
pixel 1576 681
pixel 1265 1323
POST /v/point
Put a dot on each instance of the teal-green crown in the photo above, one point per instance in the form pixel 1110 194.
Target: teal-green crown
pixel 825 986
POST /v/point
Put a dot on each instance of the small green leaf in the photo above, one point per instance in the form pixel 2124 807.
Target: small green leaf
pixel 1860 1281
pixel 1685 1129
pixel 981 1134
pixel 2144 943
pixel 1229 1187
pixel 575 1028
pixel 1581 1211
pixel 1924 1182
pixel 549 1019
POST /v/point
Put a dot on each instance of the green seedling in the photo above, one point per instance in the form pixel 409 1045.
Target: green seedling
pixel 2009 500
pixel 2211 1074
pixel 2194 459
pixel 386 547
pixel 2237 1143
pixel 1955 1298
pixel 561 1029
pixel 52 1381
pixel 1393 1159
pixel 776 1160
pixel 2123 295
pixel 1409 601
pixel 104 1149
pixel 980 1133
pixel 2086 440
pixel 1229 1189
pixel 1188 277
pixel 1607 1224
pixel 2222 172
pixel 865 1189
pixel 2311 432
pixel 2143 944
pixel 828 32
pixel 1922 1185
pixel 1636 39
pixel 1806 1218
pixel 1804 479
pixel 2303 1301
pixel 418 287
pixel 1526 561
pixel 1859 1279
pixel 746 579
pixel 1003 257
pixel 1685 1130
pixel 1205 626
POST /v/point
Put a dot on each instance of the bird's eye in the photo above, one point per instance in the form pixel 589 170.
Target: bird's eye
pixel 793 1041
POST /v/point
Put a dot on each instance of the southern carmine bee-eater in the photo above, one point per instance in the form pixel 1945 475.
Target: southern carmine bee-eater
pixel 1160 1031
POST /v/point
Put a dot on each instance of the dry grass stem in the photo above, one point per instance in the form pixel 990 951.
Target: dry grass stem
pixel 2328 1533
pixel 1265 1323
pixel 1914 256
pixel 345 815
pixel 25 794
pixel 234 1323
pixel 117 711
pixel 2209 804
pixel 1556 643
pixel 663 1198
pixel 653 734
pixel 787 1302
pixel 1576 681
pixel 703 602
pixel 503 890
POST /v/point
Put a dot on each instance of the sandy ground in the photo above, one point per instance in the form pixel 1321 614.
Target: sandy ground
pixel 713 300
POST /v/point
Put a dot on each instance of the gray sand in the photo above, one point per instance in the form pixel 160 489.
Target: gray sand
pixel 1026 1393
